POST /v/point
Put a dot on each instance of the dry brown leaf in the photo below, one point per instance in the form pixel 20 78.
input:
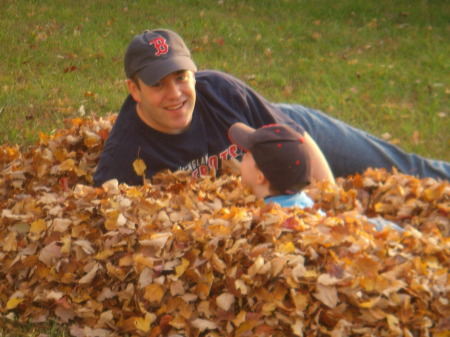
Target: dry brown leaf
pixel 327 295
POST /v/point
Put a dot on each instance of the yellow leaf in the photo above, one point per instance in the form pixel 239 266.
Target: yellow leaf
pixel 111 217
pixel 246 328
pixel 240 318
pixel 311 273
pixel 38 226
pixel 180 269
pixel 92 139
pixel 286 248
pixel 444 333
pixel 143 324
pixel 369 304
pixel 434 193
pixel 241 286
pixel 67 244
pixel 298 327
pixel 67 165
pixel 139 167
pixel 104 254
pixel 14 302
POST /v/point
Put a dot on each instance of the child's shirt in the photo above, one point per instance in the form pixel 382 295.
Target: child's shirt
pixel 302 200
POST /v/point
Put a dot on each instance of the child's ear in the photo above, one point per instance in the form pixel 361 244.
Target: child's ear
pixel 261 178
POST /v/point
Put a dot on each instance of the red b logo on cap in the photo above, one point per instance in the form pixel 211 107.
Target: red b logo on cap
pixel 161 46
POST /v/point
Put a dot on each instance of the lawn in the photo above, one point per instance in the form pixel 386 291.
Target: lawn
pixel 379 65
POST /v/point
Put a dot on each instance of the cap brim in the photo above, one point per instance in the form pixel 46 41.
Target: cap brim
pixel 154 72
pixel 239 134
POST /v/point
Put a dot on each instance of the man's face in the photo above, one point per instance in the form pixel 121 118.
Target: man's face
pixel 166 106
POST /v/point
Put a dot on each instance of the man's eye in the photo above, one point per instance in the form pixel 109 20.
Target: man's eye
pixel 157 85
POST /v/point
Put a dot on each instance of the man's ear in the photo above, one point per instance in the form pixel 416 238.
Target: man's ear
pixel 134 90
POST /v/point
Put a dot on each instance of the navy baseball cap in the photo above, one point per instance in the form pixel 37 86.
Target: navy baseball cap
pixel 155 54
pixel 280 153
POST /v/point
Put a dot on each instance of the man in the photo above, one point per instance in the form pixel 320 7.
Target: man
pixel 178 118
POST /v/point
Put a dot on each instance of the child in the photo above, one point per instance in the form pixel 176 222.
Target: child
pixel 276 166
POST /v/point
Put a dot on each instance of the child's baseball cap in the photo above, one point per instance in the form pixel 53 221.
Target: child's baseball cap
pixel 155 54
pixel 279 152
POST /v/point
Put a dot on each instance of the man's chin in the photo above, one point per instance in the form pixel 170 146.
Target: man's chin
pixel 181 126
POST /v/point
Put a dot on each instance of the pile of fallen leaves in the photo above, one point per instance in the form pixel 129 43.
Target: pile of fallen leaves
pixel 186 257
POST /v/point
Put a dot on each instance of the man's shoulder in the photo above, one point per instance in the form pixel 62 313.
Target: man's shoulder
pixel 124 124
pixel 216 83
pixel 127 113
pixel 215 77
pixel 208 73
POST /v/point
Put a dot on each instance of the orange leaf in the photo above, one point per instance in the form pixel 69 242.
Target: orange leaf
pixel 154 292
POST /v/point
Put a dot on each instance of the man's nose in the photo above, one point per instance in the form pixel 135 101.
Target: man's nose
pixel 173 89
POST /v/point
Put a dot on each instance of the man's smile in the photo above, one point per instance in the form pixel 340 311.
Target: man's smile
pixel 176 107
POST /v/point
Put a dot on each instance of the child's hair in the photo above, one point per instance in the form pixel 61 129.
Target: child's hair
pixel 280 153
pixel 293 189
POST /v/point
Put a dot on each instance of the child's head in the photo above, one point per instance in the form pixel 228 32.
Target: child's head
pixel 275 153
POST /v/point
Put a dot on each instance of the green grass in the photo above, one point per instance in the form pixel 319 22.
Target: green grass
pixel 382 66
pixel 10 328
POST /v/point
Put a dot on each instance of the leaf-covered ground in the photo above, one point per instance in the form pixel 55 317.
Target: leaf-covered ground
pixel 185 257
